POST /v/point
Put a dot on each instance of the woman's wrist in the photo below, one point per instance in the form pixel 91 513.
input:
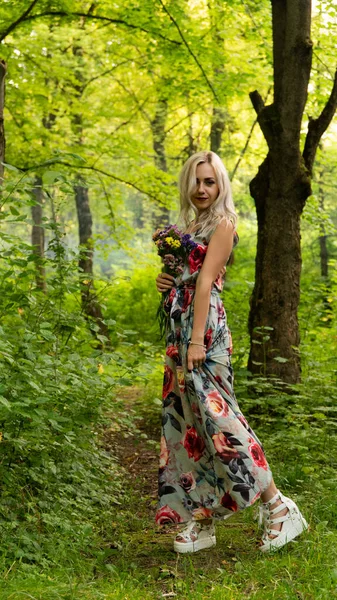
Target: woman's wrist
pixel 190 343
pixel 197 339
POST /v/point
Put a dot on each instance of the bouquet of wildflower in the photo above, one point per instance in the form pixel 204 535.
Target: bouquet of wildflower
pixel 173 247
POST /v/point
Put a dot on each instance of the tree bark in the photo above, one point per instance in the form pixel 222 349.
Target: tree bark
pixel 38 235
pixel 323 253
pixel 162 215
pixel 324 257
pixel 3 70
pixel 280 190
pixel 217 128
pixel 90 305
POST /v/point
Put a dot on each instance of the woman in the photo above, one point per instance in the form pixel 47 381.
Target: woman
pixel 211 462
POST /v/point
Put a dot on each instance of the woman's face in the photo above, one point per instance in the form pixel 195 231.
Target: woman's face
pixel 207 189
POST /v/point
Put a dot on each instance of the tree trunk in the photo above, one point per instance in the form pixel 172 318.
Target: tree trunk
pixel 323 249
pixel 280 190
pixel 324 258
pixel 276 293
pixel 90 304
pixel 38 235
pixel 3 69
pixel 217 128
pixel 162 214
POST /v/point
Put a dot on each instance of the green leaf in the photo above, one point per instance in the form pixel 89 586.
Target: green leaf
pixel 14 210
pixel 5 402
pixel 10 167
pixel 50 177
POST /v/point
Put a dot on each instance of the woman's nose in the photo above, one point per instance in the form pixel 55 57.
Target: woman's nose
pixel 201 187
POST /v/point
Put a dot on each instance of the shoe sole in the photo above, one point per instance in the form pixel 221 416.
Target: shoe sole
pixel 184 547
pixel 282 540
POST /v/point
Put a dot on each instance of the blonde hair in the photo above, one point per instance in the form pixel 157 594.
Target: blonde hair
pixel 223 205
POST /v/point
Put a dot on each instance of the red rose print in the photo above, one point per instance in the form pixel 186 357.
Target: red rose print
pixel 193 443
pixel 168 381
pixel 208 338
pixel 187 481
pixel 257 455
pixel 228 502
pixel 187 300
pixel 224 447
pixel 172 295
pixel 221 442
pixel 166 515
pixel 196 258
pixel 172 352
pixel 168 300
pixel 216 404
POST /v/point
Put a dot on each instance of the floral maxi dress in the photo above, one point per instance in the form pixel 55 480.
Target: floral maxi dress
pixel 211 462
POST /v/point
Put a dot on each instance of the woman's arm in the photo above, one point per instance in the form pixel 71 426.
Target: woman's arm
pixel 218 251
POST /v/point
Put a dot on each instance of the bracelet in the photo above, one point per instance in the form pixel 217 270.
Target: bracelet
pixel 195 344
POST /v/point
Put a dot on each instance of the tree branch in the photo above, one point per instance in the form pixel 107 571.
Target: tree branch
pixel 257 101
pixel 104 73
pixel 18 21
pixel 267 116
pixel 90 168
pixel 195 58
pixel 133 95
pixel 318 126
pixel 62 13
pixel 260 102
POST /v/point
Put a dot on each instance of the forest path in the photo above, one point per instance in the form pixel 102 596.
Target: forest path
pixel 133 452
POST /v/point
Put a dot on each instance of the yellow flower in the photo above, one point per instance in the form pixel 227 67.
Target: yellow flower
pixel 169 241
pixel 0 436
pixel 176 244
pixel 100 368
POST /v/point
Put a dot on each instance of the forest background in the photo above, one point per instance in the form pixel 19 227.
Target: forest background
pixel 102 104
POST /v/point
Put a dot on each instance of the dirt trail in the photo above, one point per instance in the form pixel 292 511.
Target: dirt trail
pixel 133 452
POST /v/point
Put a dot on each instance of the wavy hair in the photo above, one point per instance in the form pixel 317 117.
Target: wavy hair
pixel 222 207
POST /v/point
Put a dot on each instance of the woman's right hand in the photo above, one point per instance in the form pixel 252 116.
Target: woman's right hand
pixel 164 282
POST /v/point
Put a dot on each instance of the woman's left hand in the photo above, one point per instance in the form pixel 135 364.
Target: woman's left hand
pixel 196 356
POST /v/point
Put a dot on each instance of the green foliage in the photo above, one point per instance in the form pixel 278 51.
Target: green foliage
pixel 133 301
pixel 57 482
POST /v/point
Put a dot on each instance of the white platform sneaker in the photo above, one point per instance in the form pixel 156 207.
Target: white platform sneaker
pixel 293 523
pixel 196 536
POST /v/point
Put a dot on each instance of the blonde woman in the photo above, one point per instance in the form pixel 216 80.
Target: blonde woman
pixel 211 462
